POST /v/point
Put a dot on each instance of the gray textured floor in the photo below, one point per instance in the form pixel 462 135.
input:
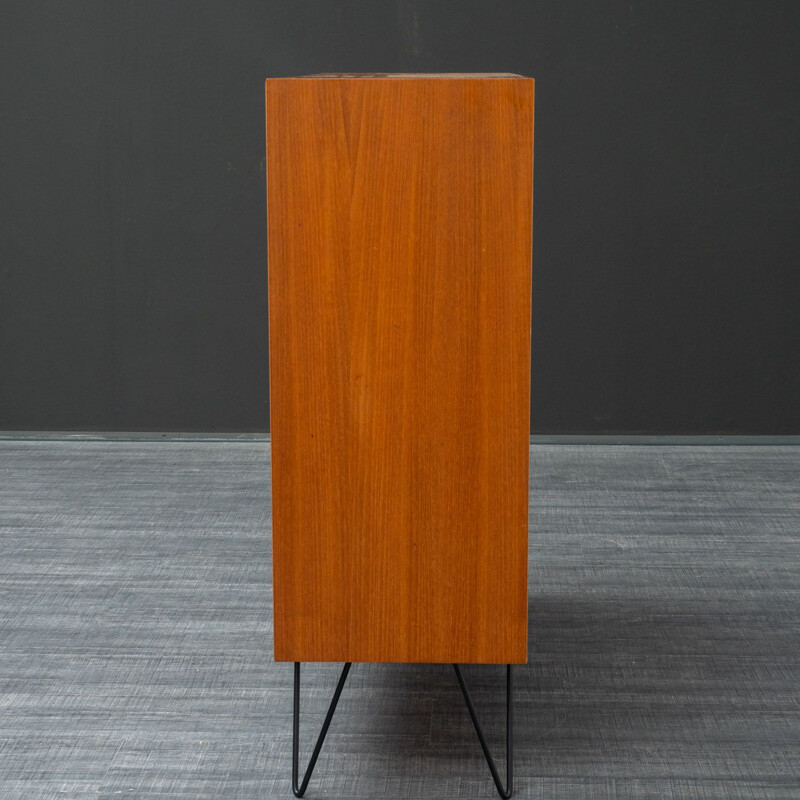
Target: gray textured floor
pixel 135 635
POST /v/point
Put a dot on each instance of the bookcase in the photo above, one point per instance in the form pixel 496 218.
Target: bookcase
pixel 399 210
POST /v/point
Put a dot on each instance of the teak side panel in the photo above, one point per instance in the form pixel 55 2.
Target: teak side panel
pixel 399 229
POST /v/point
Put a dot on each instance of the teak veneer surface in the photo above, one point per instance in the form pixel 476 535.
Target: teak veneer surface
pixel 399 216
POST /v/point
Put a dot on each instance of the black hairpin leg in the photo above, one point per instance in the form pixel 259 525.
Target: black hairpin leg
pixel 506 792
pixel 300 790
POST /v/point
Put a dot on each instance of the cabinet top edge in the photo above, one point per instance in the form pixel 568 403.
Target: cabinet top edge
pixel 404 76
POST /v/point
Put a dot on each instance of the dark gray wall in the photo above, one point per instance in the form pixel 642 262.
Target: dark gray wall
pixel 667 243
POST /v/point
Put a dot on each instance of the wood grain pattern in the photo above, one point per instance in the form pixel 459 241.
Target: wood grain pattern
pixel 399 216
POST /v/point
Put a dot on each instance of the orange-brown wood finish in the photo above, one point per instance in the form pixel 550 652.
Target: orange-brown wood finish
pixel 399 230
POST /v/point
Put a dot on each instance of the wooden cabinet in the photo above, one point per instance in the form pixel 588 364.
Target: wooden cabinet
pixel 399 215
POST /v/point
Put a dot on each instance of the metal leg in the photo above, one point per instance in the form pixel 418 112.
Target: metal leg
pixel 508 790
pixel 300 790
